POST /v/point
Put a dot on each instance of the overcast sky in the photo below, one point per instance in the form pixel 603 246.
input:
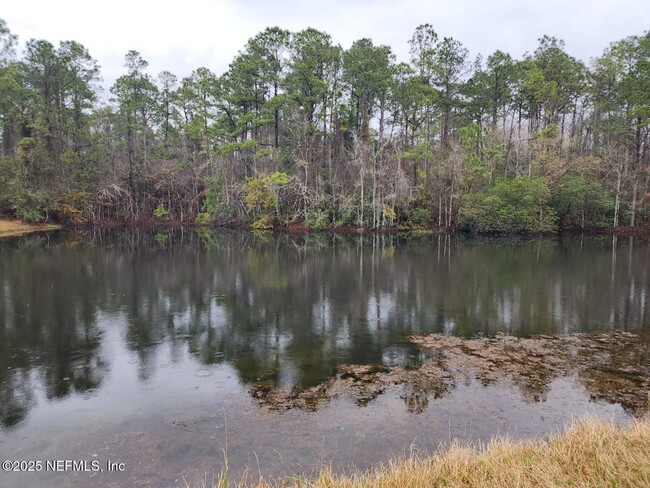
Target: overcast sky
pixel 180 36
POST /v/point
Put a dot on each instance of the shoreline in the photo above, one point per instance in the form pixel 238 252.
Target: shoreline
pixel 12 227
pixel 592 452
pixel 596 451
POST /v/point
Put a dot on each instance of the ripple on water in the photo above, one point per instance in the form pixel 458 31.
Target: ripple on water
pixel 203 373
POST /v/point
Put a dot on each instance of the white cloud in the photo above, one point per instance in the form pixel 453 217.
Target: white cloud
pixel 181 36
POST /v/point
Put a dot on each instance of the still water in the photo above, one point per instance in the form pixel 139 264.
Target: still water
pixel 144 347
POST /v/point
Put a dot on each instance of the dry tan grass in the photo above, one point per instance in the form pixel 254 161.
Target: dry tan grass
pixel 592 453
pixel 16 227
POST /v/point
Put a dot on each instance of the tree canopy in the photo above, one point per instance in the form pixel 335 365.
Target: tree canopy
pixel 299 129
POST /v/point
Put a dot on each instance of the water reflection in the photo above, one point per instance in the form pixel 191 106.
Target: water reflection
pixel 612 367
pixel 286 309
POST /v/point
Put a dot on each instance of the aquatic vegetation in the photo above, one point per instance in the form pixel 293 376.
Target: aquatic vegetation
pixel 612 367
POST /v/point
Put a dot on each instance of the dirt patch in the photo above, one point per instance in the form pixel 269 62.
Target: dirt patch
pixel 17 227
pixel 612 367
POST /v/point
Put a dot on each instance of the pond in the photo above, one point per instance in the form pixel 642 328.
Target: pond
pixel 172 350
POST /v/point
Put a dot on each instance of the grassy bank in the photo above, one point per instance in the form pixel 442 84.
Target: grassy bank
pixel 17 227
pixel 592 453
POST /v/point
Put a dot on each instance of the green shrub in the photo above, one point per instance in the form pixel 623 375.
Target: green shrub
pixel 582 204
pixel 161 212
pixel 520 205
pixel 203 218
pixel 29 214
pixel 9 184
pixel 265 222
pixel 261 192
pixel 318 219
pixel 347 216
pixel 215 205
pixel 31 206
pixel 421 216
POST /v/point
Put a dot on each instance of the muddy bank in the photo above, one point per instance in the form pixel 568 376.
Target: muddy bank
pixel 17 227
pixel 612 367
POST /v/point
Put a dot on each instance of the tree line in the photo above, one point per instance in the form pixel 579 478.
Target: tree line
pixel 300 130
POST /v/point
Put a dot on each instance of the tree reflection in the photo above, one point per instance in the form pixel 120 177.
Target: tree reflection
pixel 48 331
pixel 290 309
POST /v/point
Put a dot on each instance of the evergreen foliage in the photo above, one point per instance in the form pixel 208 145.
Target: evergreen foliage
pixel 299 129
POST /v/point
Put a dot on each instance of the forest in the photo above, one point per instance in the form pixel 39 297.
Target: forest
pixel 301 132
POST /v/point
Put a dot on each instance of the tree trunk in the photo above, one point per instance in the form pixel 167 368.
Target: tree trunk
pixel 635 190
pixel 617 205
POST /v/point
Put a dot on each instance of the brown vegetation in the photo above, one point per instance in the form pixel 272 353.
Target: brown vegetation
pixel 16 227
pixel 592 453
pixel 612 367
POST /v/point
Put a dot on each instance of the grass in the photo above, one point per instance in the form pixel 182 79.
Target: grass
pixel 591 453
pixel 17 227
